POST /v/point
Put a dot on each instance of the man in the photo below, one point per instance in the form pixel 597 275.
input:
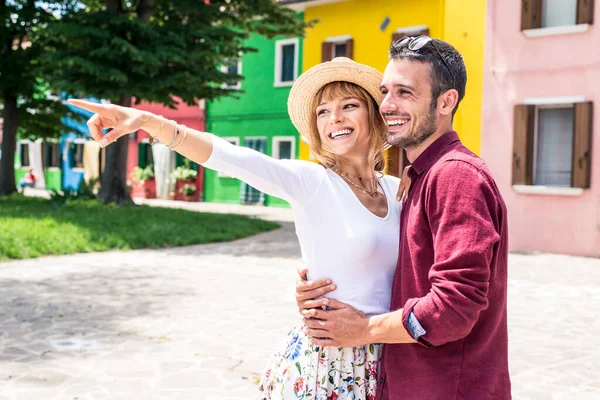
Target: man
pixel 446 335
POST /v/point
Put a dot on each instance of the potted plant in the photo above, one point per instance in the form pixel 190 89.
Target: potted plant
pixel 188 190
pixel 143 182
pixel 183 175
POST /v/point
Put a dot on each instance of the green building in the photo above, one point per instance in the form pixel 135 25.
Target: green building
pixel 258 118
pixel 50 153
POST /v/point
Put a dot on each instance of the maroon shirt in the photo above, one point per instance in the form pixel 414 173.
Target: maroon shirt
pixel 452 274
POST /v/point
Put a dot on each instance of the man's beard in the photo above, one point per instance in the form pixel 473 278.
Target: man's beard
pixel 417 134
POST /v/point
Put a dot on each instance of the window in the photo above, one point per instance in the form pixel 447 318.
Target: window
pixel 232 67
pixel 552 145
pixel 25 162
pixel 76 154
pixel 145 155
pixel 234 141
pixel 284 148
pixel 248 194
pixel 339 49
pixel 51 155
pixel 559 13
pixel 536 14
pixel 286 62
pixel 339 46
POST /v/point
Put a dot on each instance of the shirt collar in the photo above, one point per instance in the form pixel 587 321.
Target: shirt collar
pixel 432 153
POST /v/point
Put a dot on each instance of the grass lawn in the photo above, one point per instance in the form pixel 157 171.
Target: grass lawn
pixel 32 227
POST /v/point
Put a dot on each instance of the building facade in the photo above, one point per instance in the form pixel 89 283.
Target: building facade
pixel 257 117
pixel 540 132
pixel 364 31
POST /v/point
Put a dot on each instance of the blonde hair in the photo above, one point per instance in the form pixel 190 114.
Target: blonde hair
pixel 377 128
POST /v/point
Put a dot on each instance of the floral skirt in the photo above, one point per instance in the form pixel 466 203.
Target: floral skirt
pixel 302 370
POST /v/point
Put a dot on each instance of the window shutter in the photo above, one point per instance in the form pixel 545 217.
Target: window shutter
pixel 522 158
pixel 350 49
pixel 326 51
pixel 531 14
pixel 141 155
pixel 55 156
pixel 585 11
pixel 45 155
pixel 72 150
pixel 49 155
pixel 582 145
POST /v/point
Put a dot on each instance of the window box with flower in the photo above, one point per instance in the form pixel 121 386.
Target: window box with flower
pixel 143 183
pixel 185 175
pixel 188 191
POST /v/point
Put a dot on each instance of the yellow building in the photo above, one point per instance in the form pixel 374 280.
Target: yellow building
pixel 364 29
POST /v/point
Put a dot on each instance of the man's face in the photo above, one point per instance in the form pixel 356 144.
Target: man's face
pixel 406 106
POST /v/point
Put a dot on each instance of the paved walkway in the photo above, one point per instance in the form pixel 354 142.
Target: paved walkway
pixel 199 322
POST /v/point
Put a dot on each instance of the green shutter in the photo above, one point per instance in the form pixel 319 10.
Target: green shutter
pixel 142 155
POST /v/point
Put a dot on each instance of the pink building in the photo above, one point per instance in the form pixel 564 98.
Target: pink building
pixel 540 134
pixel 140 154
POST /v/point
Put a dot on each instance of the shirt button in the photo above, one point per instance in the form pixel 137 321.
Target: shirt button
pixel 381 380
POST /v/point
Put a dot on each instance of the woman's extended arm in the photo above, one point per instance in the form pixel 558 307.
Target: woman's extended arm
pixel 292 181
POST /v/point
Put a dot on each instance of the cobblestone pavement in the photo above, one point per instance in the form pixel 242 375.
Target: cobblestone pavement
pixel 199 322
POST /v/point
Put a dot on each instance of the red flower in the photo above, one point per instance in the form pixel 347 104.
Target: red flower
pixel 298 386
pixel 333 396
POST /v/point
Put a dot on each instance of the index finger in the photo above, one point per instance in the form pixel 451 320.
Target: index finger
pixel 90 106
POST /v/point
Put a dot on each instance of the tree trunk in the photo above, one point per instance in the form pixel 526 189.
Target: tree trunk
pixel 9 145
pixel 114 178
pixel 144 10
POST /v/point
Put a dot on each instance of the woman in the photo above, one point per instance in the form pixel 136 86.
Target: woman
pixel 345 210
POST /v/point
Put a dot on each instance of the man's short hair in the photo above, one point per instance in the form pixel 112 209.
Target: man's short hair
pixel 446 74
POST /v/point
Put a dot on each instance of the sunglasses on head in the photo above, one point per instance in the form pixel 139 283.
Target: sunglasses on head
pixel 415 43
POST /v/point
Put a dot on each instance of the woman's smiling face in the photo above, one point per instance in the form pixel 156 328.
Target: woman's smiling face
pixel 343 125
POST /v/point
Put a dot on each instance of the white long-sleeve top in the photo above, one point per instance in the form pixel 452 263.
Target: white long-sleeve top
pixel 339 237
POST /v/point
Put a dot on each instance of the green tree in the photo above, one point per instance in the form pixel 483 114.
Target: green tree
pixel 154 50
pixel 27 106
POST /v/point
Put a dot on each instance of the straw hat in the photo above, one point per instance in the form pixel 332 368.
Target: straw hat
pixel 309 83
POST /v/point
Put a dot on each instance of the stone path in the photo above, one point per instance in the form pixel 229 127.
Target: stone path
pixel 199 322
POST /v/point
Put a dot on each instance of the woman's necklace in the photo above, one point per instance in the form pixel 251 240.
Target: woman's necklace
pixel 372 193
pixel 360 179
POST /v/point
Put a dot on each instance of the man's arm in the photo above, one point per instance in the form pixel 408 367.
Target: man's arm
pixel 389 328
pixel 344 326
pixel 463 210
